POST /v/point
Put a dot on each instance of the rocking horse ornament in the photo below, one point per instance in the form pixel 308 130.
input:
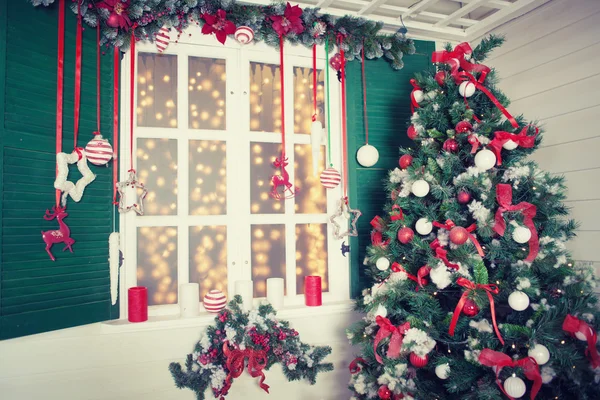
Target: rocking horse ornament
pixel 63 234
pixel 282 181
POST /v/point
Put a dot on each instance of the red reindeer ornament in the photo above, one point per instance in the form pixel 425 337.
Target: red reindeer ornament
pixel 60 235
pixel 282 180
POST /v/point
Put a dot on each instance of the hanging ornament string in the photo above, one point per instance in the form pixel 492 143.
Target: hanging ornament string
pixel 131 97
pixel 327 99
pixel 364 79
pixel 281 76
pixel 314 60
pixel 59 84
pixel 78 51
pixel 344 131
pixel 116 62
pixel 98 78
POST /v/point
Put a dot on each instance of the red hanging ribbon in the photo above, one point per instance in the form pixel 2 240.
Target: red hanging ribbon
pixel 131 97
pixel 354 367
pixel 474 142
pixel 497 360
pixel 377 223
pixel 377 239
pixel 59 85
pixel 419 279
pixel 78 51
pixel 573 325
pixel 340 38
pixel 450 224
pixel 396 213
pixel 97 79
pixel 442 254
pixel 386 328
pixel 456 59
pixel 116 62
pixel 314 54
pixel 528 210
pixel 413 102
pixel 364 82
pixel 257 361
pixel 501 137
pixel 469 286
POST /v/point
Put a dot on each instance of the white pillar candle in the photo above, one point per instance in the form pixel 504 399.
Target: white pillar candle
pixel 189 299
pixel 275 292
pixel 246 290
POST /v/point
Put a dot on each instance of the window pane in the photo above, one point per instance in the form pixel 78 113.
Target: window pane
pixel 303 99
pixel 311 198
pixel 268 256
pixel 157 90
pixel 157 170
pixel 262 156
pixel 311 254
pixel 208 177
pixel 265 97
pixel 207 83
pixel 157 263
pixel 208 258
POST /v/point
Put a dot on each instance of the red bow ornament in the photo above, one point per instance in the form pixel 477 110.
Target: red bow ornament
pixel 396 213
pixel 501 137
pixel 257 361
pixel 413 100
pixel 290 21
pixel 354 366
pixel 442 254
pixel 456 59
pixel 497 360
pixel 419 279
pixel 528 210
pixel 450 224
pixel 576 327
pixel 469 286
pixel 386 328
pixel 378 225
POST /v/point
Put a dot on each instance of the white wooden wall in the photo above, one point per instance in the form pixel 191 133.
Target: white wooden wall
pixel 550 69
pixel 100 362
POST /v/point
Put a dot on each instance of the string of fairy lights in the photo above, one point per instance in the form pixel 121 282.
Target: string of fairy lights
pixel 157 166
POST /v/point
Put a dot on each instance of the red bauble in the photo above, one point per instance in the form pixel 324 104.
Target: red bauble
pixel 405 161
pixel 412 132
pixel 113 20
pixel 463 127
pixel 440 76
pixel 459 235
pixel 450 145
pixel 470 309
pixel 394 195
pixel 463 197
pixel 384 392
pixel 405 235
pixel 336 61
pixel 418 361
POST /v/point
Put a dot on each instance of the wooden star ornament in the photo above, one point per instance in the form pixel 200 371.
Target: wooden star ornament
pixel 347 213
pixel 131 194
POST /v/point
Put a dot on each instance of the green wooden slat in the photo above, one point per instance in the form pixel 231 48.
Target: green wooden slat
pixel 62 289
pixel 87 296
pixel 3 55
pixel 13 279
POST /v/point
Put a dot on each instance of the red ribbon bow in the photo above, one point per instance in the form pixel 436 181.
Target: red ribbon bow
pixel 257 361
pixel 501 137
pixel 354 367
pixel 474 142
pixel 450 224
pixel 396 213
pixel 528 210
pixel 469 286
pixel 386 328
pixel 442 254
pixel 413 102
pixel 456 59
pixel 491 358
pixel 377 223
pixel 574 325
pixel 377 236
pixel 419 279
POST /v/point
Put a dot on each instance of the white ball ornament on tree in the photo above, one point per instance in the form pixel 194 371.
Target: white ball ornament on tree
pixel 466 89
pixel 515 387
pixel 442 371
pixel 367 155
pixel 521 234
pixel 420 188
pixel 244 34
pixel 510 145
pixel 381 311
pixel 485 159
pixel 539 353
pixel 382 263
pixel 418 95
pixel 423 226
pixel 518 300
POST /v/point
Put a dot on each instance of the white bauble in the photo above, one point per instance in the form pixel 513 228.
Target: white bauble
pixel 418 95
pixel 466 89
pixel 521 234
pixel 423 226
pixel 518 300
pixel 382 263
pixel 442 371
pixel 515 387
pixel 431 95
pixel 485 159
pixel 420 188
pixel 581 336
pixel 510 145
pixel 367 155
pixel 381 311
pixel 539 353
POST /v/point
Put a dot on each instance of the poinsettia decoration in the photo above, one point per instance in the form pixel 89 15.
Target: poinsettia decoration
pixel 118 13
pixel 219 25
pixel 290 21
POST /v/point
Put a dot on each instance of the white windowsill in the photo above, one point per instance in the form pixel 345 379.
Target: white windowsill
pixel 205 319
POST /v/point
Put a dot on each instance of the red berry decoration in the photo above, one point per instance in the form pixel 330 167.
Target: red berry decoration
pixel 384 392
pixel 418 361
pixel 405 161
pixel 412 132
pixel 405 235
pixel 463 197
pixel 463 127
pixel 450 145
pixel 470 309
pixel 459 235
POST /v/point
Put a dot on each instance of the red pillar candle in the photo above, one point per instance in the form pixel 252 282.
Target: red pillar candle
pixel 137 304
pixel 312 290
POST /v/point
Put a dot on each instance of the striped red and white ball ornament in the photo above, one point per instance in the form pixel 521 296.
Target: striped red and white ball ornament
pixel 99 151
pixel 330 178
pixel 214 301
pixel 162 39
pixel 244 34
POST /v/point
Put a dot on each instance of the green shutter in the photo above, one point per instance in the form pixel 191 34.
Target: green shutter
pixel 388 95
pixel 37 294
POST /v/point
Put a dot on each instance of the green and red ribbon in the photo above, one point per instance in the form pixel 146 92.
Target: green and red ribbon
pixel 387 329
pixel 498 360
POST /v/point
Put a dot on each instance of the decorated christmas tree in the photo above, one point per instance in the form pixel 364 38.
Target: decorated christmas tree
pixel 475 295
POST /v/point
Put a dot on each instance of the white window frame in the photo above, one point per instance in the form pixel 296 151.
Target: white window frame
pixel 238 207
